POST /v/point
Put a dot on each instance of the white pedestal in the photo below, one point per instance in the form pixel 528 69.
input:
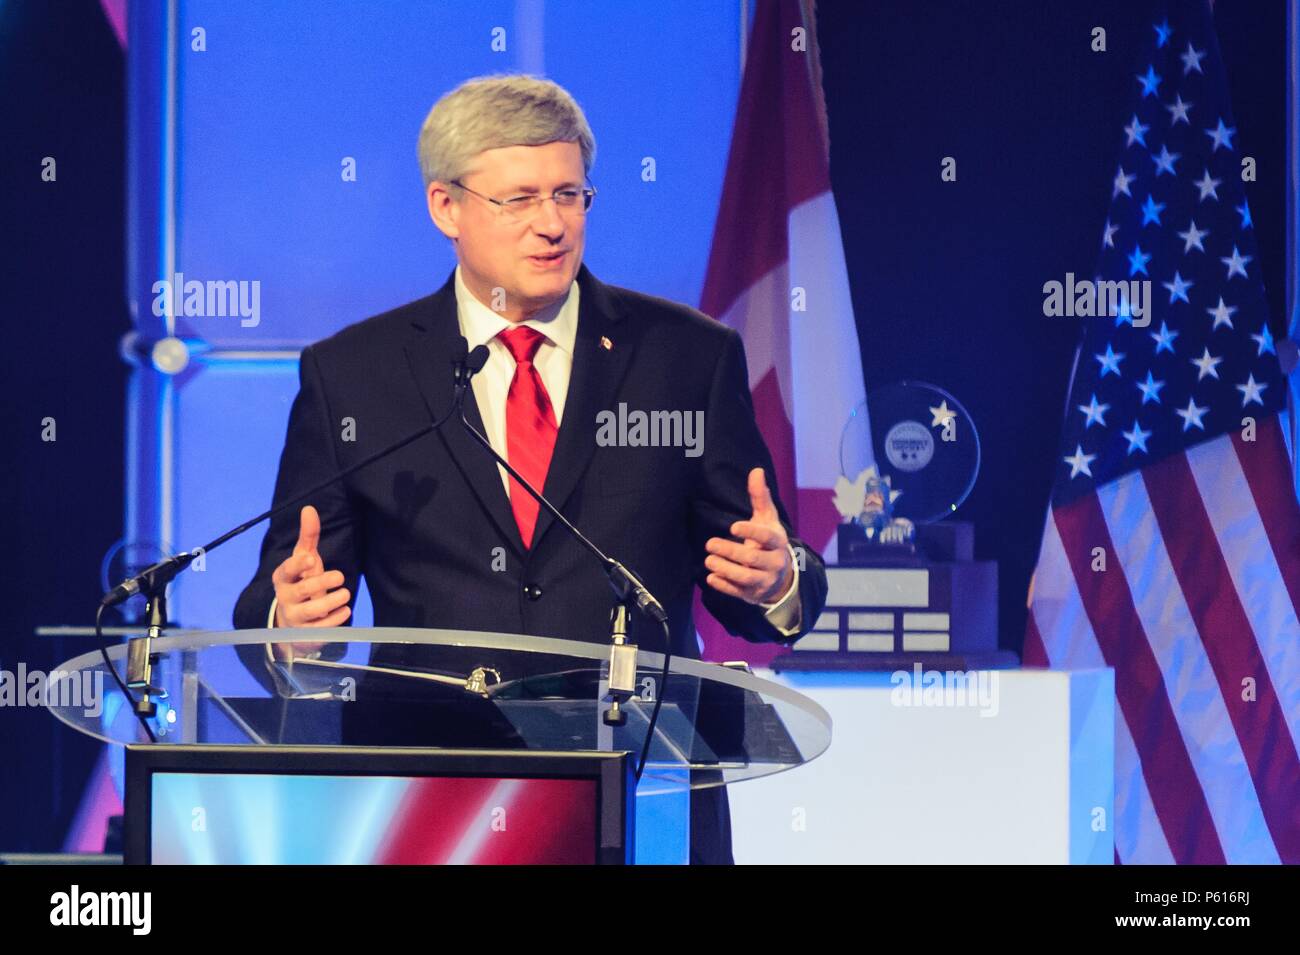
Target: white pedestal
pixel 1023 773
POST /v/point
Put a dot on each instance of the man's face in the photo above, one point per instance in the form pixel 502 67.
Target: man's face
pixel 532 262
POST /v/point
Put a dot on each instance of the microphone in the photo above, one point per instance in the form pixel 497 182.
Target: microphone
pixel 476 360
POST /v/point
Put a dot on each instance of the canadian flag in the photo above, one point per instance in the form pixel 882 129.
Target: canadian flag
pixel 776 274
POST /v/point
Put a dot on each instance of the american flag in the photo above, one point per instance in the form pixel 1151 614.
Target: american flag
pixel 1172 547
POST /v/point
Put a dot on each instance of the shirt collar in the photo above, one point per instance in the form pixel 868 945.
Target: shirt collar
pixel 480 324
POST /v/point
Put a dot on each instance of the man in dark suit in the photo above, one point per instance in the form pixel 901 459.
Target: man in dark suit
pixel 443 537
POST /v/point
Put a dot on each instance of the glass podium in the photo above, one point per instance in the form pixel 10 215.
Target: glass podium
pixel 404 745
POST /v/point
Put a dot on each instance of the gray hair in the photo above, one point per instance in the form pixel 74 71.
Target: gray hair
pixel 489 112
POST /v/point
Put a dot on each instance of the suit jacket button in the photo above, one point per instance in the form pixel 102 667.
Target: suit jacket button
pixel 532 592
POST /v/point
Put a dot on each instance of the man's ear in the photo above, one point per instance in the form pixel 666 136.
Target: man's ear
pixel 443 210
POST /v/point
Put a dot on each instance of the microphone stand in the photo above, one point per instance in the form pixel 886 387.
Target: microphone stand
pixel 153 580
pixel 628 589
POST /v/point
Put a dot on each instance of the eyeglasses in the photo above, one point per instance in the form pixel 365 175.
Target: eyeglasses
pixel 573 202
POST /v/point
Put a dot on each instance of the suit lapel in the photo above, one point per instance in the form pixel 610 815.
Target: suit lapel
pixel 601 354
pixel 429 352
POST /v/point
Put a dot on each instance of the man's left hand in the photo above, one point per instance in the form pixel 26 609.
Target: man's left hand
pixel 756 567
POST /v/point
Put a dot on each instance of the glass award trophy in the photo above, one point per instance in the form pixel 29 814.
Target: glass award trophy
pixel 906 589
pixel 909 456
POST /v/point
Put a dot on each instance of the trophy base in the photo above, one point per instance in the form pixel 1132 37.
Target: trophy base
pixel 858 550
pixel 943 541
pixel 934 614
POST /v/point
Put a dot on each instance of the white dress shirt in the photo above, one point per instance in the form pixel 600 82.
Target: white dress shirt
pixel 558 323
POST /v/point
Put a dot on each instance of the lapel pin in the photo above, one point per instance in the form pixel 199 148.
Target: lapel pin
pixel 606 344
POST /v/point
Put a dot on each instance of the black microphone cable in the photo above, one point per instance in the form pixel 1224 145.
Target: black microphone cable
pixel 625 583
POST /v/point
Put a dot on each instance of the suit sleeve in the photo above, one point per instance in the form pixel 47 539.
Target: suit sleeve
pixel 310 456
pixel 732 447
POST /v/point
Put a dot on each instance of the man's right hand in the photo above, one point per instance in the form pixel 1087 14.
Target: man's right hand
pixel 306 594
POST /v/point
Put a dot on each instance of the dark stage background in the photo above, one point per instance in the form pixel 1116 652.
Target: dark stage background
pixel 64 310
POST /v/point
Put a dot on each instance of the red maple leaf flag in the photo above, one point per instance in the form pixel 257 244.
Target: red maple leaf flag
pixel 777 275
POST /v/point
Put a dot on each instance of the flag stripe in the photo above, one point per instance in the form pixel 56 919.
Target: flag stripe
pixel 1212 746
pixel 1059 614
pixel 1034 653
pixel 1267 468
pixel 1175 789
pixel 1230 644
pixel 1254 568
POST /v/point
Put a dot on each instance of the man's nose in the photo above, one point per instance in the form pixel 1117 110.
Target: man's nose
pixel 548 221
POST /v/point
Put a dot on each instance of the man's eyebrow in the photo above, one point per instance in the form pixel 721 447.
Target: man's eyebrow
pixel 533 190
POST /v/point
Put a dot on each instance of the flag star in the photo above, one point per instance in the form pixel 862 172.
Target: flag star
pixel 1251 391
pixel 1137 133
pixel 1094 413
pixel 1079 462
pixel 1192 415
pixel 1165 161
pixel 1178 288
pixel 1122 179
pixel 1150 389
pixel 1163 30
pixel 1164 339
pixel 1192 60
pixel 1207 364
pixel 1124 313
pixel 1207 185
pixel 1265 341
pixel 1243 210
pixel 1193 237
pixel 1137 261
pixel 1178 111
pixel 1222 314
pixel 942 414
pixel 1151 211
pixel 1222 136
pixel 1137 438
pixel 1150 82
pixel 1110 361
pixel 1236 263
pixel 1108 240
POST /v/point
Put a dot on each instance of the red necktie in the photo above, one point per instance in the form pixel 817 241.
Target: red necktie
pixel 530 426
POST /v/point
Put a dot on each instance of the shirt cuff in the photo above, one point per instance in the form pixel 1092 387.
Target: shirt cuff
pixel 787 613
pixel 270 625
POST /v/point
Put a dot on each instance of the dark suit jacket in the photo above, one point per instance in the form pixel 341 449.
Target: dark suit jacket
pixel 424 525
